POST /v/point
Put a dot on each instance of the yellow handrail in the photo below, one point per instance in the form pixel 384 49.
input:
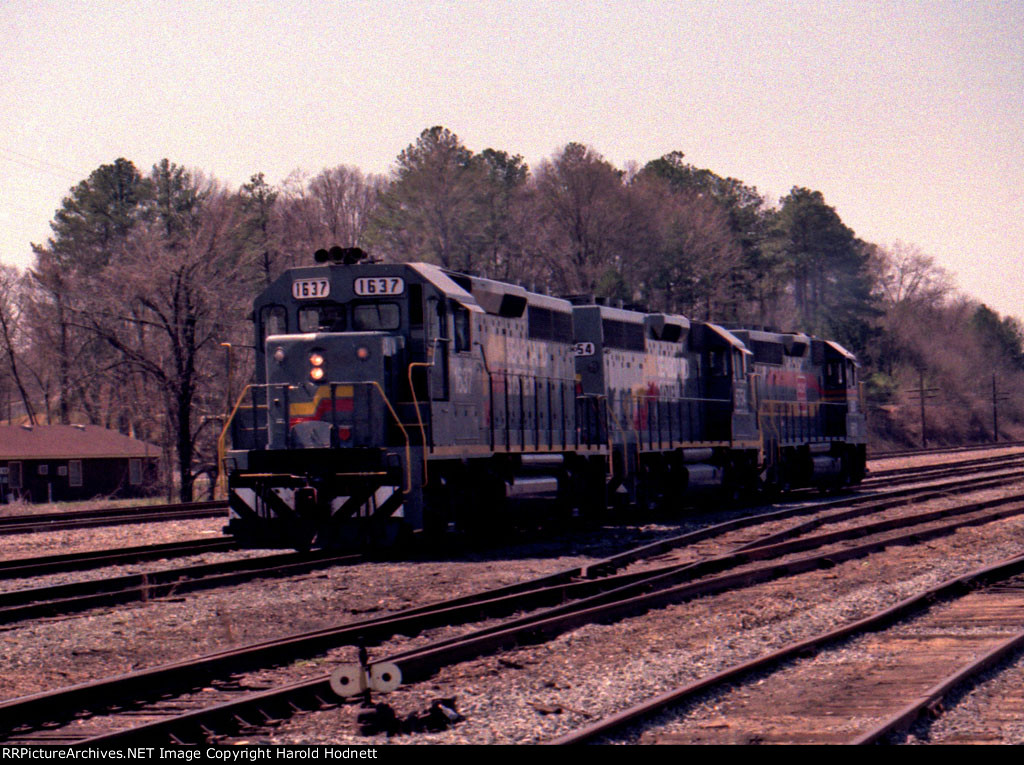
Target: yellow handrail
pixel 222 475
pixel 419 415
pixel 405 434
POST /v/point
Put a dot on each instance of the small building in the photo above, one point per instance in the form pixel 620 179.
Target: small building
pixel 59 463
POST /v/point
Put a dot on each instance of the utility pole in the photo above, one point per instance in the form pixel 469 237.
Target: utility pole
pixel 924 433
pixel 996 398
pixel 922 393
pixel 227 380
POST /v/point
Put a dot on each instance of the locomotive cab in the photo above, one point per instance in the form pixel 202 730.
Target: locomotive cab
pixel 804 403
pixel 358 366
pixel 723 381
pixel 844 416
pixel 333 343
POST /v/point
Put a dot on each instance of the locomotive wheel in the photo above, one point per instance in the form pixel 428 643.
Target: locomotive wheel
pixel 649 494
pixel 480 509
pixel 439 508
pixel 732 488
pixel 588 493
pixel 392 536
pixel 772 485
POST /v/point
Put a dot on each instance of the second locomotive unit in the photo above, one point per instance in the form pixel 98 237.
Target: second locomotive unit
pixel 405 398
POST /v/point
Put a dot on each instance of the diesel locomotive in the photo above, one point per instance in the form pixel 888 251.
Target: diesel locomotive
pixel 393 399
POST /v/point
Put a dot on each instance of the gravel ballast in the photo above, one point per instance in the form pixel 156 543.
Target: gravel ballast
pixel 523 696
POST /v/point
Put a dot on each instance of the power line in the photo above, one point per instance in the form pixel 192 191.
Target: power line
pixel 39 165
pixel 23 210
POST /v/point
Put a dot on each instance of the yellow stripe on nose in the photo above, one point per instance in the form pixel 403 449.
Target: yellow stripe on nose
pixel 307 408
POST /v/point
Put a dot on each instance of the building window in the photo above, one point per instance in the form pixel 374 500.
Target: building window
pixel 74 472
pixel 62 470
pixel 14 475
pixel 134 472
pixel 44 470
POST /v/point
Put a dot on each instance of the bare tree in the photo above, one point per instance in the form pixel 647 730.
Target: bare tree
pixel 688 258
pixel 582 215
pixel 298 220
pixel 904 274
pixel 164 305
pixel 11 332
pixel 346 199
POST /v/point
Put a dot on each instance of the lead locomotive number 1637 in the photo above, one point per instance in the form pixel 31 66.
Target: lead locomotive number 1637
pixel 405 398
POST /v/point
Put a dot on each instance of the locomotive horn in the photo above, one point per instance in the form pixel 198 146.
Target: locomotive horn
pixel 345 255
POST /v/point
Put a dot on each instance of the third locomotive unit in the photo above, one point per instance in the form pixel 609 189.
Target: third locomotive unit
pixel 405 398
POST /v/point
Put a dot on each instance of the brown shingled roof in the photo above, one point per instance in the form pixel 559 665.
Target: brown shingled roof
pixel 69 442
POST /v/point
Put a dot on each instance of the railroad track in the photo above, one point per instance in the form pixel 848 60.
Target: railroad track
pixel 943 450
pixel 75 597
pixel 90 559
pixel 72 597
pixel 909 658
pixel 940 470
pixel 22 568
pixel 34 523
pixel 30 524
pixel 166 702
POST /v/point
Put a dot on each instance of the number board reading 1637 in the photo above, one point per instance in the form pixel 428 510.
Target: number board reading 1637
pixel 310 288
pixel 379 285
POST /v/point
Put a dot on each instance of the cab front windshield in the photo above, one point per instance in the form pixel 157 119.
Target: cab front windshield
pixel 327 317
pixel 333 317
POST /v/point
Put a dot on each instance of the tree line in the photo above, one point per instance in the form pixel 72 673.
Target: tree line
pixel 134 312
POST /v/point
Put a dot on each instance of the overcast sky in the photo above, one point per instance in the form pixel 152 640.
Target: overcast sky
pixel 907 116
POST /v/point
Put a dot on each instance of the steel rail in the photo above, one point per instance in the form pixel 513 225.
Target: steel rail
pixel 29 524
pixel 878 620
pixel 928 702
pixel 80 596
pixel 638 595
pixel 20 568
pixel 862 504
pixel 942 469
pixel 183 675
pixel 944 450
pixel 940 466
pixel 104 511
pixel 468 607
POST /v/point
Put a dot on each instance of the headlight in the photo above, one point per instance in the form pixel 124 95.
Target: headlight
pixel 316 361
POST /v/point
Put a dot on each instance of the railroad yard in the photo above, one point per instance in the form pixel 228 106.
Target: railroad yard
pixel 498 377
pixel 819 619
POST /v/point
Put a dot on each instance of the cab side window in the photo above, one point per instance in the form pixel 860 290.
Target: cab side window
pixel 718 363
pixel 437 323
pixel 462 330
pixel 273 321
